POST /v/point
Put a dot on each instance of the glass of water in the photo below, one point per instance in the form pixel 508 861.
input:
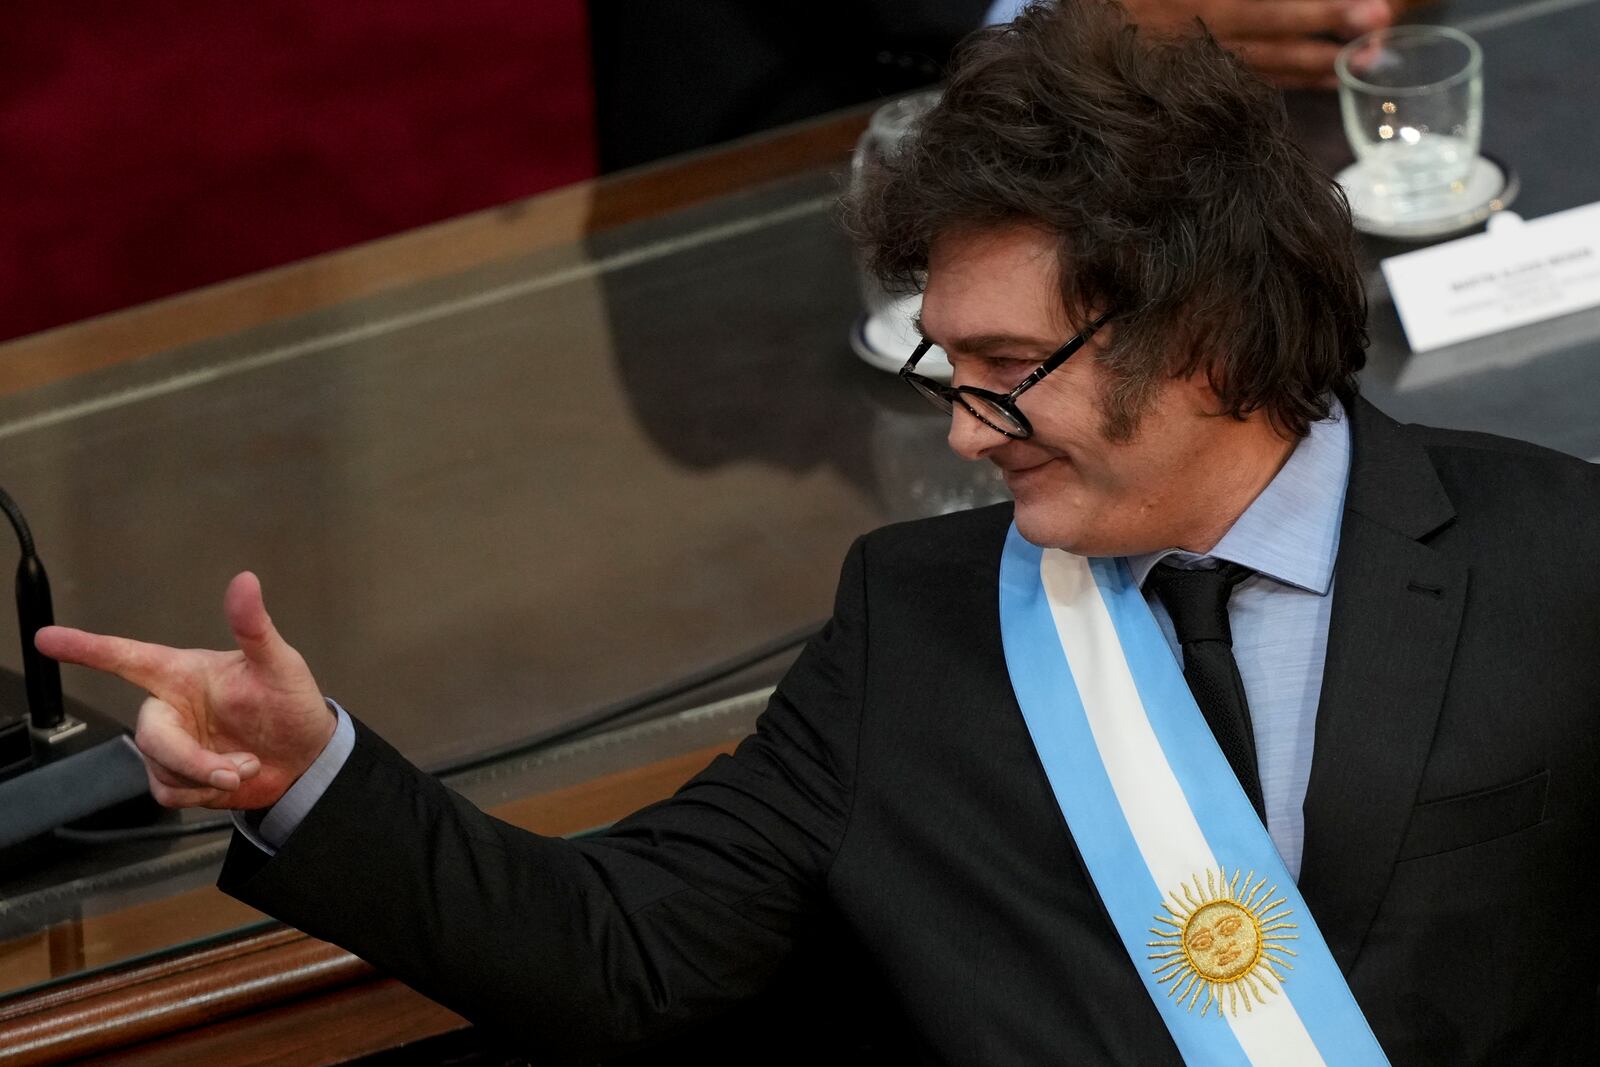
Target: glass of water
pixel 889 126
pixel 1412 100
pixel 884 336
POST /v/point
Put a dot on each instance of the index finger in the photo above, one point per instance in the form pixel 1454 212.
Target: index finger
pixel 144 665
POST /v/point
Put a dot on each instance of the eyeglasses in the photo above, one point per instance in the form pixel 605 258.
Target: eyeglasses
pixel 998 411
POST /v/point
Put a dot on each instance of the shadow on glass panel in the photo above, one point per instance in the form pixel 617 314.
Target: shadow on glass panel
pixel 675 75
pixel 737 352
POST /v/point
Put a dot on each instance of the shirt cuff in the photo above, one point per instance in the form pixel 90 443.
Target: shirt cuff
pixel 268 829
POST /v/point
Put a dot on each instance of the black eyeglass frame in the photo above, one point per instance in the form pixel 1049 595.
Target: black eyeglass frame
pixel 946 397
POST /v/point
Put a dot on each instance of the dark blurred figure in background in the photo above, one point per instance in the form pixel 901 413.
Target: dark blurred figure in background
pixel 1291 43
pixel 675 75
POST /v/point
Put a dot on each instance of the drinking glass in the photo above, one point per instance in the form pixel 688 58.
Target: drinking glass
pixel 889 125
pixel 884 337
pixel 1412 100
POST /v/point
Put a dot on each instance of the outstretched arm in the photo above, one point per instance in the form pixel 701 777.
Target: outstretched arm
pixel 677 914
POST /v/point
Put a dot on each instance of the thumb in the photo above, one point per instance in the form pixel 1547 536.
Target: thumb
pixel 251 625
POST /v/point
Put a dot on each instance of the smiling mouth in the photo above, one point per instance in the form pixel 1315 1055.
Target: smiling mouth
pixel 1017 471
pixel 1025 474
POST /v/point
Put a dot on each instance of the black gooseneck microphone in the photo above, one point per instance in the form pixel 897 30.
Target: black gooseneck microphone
pixel 56 768
pixel 41 675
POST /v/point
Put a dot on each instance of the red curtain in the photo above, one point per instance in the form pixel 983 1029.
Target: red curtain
pixel 154 146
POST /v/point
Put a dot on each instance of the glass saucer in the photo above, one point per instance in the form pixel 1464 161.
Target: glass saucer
pixel 886 339
pixel 1491 187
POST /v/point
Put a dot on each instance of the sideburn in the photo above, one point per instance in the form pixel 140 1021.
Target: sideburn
pixel 1125 398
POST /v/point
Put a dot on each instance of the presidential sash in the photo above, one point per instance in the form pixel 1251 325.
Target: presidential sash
pixel 1198 893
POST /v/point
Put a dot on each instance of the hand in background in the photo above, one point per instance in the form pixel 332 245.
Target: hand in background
pixel 220 729
pixel 1285 41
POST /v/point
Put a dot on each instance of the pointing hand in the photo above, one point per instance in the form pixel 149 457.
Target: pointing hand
pixel 220 729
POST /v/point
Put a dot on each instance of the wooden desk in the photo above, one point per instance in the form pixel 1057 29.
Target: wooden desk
pixel 244 1000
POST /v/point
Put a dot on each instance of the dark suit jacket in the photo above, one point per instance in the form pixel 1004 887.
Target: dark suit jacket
pixel 891 789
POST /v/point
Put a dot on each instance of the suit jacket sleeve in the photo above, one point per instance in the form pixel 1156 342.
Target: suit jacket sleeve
pixel 675 914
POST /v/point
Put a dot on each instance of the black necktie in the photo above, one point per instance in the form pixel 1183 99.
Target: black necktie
pixel 1197 601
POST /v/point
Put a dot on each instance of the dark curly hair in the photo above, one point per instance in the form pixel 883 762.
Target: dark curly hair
pixel 1181 201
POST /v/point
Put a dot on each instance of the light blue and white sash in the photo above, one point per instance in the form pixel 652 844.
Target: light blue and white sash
pixel 1209 915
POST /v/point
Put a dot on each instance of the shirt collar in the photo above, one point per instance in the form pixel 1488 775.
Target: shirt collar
pixel 1290 532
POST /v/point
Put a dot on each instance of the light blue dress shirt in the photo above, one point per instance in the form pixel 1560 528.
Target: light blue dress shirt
pixel 269 829
pixel 1289 535
pixel 1002 11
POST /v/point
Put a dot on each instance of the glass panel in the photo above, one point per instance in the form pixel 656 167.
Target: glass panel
pixel 461 496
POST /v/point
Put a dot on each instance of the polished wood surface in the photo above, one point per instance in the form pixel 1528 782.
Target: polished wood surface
pixel 173 994
pixel 341 1026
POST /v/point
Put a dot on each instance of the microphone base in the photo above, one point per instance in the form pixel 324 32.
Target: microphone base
pixel 82 729
pixel 69 726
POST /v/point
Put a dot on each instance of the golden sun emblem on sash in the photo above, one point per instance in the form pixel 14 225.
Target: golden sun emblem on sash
pixel 1221 942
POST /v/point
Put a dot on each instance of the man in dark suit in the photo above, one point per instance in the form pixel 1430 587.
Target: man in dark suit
pixel 1412 616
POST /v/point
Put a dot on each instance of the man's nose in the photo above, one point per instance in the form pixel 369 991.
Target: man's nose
pixel 970 437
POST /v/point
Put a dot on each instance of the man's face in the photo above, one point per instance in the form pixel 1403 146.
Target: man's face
pixel 993 304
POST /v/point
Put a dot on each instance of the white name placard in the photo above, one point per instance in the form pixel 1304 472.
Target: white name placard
pixel 1517 273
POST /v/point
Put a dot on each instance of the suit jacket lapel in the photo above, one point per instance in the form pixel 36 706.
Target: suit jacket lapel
pixel 1396 611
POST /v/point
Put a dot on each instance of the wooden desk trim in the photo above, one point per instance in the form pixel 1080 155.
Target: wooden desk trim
pixel 243 1000
pixel 170 995
pixel 562 216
